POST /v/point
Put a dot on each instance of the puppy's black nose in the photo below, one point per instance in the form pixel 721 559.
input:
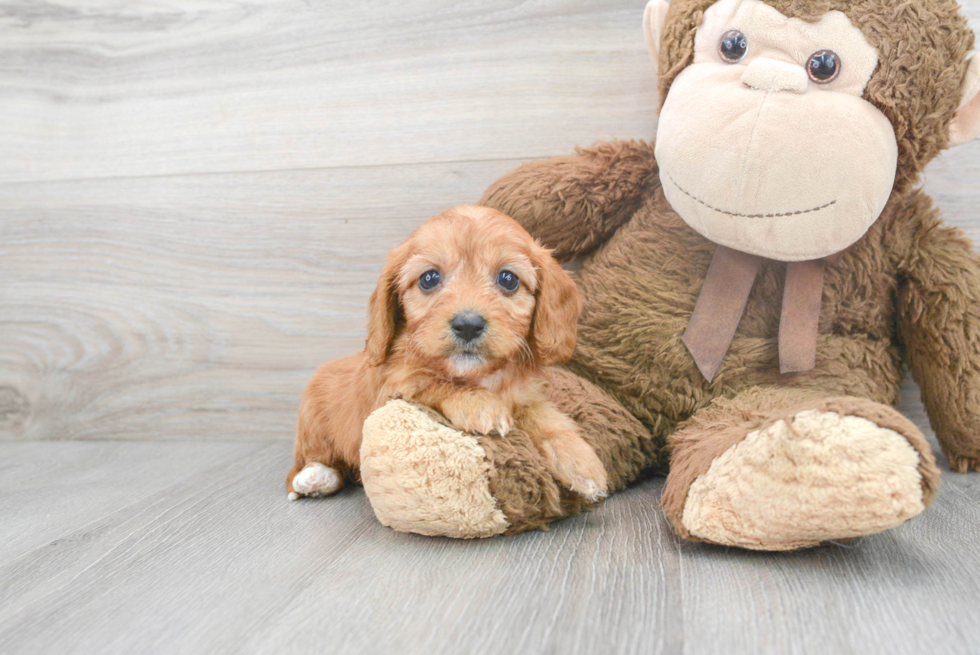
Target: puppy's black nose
pixel 468 325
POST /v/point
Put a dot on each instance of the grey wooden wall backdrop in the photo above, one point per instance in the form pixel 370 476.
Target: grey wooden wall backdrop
pixel 195 200
pixel 196 197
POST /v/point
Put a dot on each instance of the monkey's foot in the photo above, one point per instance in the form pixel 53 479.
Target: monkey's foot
pixel 426 477
pixel 843 468
pixel 422 475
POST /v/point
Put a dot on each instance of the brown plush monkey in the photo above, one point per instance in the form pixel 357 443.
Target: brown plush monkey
pixel 753 285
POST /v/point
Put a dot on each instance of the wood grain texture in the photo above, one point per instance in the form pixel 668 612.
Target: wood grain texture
pixel 195 201
pixel 208 556
pixel 156 87
pixel 195 307
pixel 222 562
pixel 59 489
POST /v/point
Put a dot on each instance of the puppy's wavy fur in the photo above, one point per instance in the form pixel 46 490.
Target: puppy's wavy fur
pixel 491 383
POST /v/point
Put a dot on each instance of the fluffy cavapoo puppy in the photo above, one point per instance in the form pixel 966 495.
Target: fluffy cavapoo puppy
pixel 467 312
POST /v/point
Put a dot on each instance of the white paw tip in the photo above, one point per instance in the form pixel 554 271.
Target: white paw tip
pixel 591 490
pixel 317 480
pixel 293 495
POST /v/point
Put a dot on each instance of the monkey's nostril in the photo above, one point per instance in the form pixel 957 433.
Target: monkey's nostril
pixel 468 325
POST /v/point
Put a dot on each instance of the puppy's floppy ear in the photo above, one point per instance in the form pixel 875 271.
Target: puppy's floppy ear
pixel 384 308
pixel 556 312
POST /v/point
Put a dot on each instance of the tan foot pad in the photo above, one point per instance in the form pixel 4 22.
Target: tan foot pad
pixel 821 477
pixel 425 477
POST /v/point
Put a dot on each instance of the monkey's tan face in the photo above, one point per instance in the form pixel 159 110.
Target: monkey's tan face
pixel 765 143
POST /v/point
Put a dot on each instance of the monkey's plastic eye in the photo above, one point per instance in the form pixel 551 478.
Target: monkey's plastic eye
pixel 733 46
pixel 823 67
pixel 429 280
pixel 508 281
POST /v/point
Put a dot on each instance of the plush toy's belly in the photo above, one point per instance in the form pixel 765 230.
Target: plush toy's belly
pixel 640 290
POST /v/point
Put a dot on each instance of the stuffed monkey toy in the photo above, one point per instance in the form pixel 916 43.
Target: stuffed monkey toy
pixel 754 284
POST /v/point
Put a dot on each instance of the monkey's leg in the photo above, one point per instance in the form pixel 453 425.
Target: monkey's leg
pixel 782 469
pixel 421 475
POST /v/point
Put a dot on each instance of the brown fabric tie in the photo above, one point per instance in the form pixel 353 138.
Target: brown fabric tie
pixel 722 302
pixel 800 315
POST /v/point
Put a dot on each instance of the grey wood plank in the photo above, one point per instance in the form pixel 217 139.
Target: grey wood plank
pixel 219 561
pixel 50 492
pixel 953 181
pixel 150 87
pixel 155 88
pixel 195 306
pixel 224 563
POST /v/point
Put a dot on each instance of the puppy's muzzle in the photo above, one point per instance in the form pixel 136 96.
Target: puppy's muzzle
pixel 468 326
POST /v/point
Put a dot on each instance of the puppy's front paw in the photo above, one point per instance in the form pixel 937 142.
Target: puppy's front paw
pixel 576 466
pixel 316 480
pixel 477 412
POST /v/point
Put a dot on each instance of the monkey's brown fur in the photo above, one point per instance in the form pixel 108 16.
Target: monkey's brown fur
pixel 756 459
pixel 908 291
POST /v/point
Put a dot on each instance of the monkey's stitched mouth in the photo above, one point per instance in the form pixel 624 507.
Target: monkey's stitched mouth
pixel 736 215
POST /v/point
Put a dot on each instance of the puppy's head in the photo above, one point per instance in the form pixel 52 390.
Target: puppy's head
pixel 469 292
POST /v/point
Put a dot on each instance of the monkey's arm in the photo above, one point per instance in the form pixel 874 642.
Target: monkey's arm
pixel 573 204
pixel 939 323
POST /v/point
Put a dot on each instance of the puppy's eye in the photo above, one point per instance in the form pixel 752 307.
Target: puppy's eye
pixel 430 280
pixel 507 281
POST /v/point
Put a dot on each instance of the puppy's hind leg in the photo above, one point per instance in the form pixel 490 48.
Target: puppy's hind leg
pixel 321 465
pixel 314 480
pixel 328 439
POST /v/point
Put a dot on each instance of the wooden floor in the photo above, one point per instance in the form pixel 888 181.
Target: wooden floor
pixel 195 200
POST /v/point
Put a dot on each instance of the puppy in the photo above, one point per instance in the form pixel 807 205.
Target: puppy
pixel 467 312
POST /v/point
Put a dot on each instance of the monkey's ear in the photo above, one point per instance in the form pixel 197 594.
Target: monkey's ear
pixel 384 308
pixel 654 19
pixel 966 123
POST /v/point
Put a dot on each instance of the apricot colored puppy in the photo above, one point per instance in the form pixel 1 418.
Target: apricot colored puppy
pixel 467 312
